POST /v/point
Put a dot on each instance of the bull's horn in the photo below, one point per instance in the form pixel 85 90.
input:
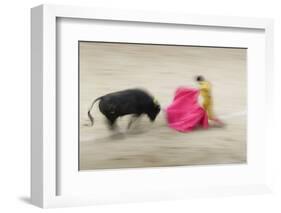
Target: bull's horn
pixel 155 101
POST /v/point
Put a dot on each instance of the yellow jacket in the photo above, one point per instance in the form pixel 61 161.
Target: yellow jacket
pixel 205 89
pixel 205 92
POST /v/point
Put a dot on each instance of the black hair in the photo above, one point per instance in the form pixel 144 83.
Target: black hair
pixel 199 78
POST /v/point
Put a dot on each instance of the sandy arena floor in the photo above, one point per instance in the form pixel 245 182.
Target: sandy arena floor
pixel 106 68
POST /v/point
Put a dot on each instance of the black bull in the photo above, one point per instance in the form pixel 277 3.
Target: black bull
pixel 132 101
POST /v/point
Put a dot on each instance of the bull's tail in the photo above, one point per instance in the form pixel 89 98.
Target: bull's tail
pixel 89 111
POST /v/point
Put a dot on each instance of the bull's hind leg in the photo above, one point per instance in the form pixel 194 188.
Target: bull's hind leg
pixel 111 123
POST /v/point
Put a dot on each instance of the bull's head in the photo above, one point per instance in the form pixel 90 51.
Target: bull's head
pixel 154 110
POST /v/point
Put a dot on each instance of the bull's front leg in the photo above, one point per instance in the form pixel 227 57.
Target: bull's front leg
pixel 132 120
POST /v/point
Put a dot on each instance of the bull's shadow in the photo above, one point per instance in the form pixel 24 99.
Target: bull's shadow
pixel 117 136
pixel 119 133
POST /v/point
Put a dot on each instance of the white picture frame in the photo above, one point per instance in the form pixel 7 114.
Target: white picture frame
pixel 44 150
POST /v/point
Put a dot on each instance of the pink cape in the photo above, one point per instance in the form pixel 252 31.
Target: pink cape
pixel 185 113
